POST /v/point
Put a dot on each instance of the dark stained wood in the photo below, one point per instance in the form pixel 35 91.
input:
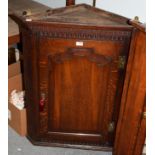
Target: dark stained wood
pixel 31 83
pixel 79 15
pixel 141 135
pixel 94 3
pixel 72 66
pixel 138 25
pixel 65 145
pixel 70 2
pixel 82 96
pixel 130 134
pixel 80 75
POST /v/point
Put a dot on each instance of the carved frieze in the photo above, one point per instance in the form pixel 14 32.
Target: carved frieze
pixel 82 34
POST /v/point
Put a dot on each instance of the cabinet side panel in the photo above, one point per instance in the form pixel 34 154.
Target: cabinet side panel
pixel 133 98
pixel 30 82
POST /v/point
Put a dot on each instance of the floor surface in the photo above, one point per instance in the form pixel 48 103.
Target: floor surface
pixel 21 146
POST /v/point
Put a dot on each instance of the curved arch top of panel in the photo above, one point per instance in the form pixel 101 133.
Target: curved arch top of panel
pixel 88 53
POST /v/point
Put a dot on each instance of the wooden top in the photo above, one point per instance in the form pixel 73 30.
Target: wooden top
pixel 84 15
pixel 17 7
pixel 81 15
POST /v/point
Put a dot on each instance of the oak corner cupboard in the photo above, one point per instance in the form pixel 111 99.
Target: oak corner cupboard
pixel 74 67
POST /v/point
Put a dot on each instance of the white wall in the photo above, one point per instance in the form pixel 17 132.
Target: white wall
pixel 127 8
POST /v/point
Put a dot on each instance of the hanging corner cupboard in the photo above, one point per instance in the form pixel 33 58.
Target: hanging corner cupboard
pixel 75 61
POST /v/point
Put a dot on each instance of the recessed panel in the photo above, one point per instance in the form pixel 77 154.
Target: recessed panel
pixel 78 92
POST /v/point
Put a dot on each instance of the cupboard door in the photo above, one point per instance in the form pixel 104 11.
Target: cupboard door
pixel 82 88
pixel 81 84
pixel 77 82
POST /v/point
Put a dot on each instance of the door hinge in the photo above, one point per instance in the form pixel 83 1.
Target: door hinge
pixel 144 115
pixel 121 62
pixel 111 126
